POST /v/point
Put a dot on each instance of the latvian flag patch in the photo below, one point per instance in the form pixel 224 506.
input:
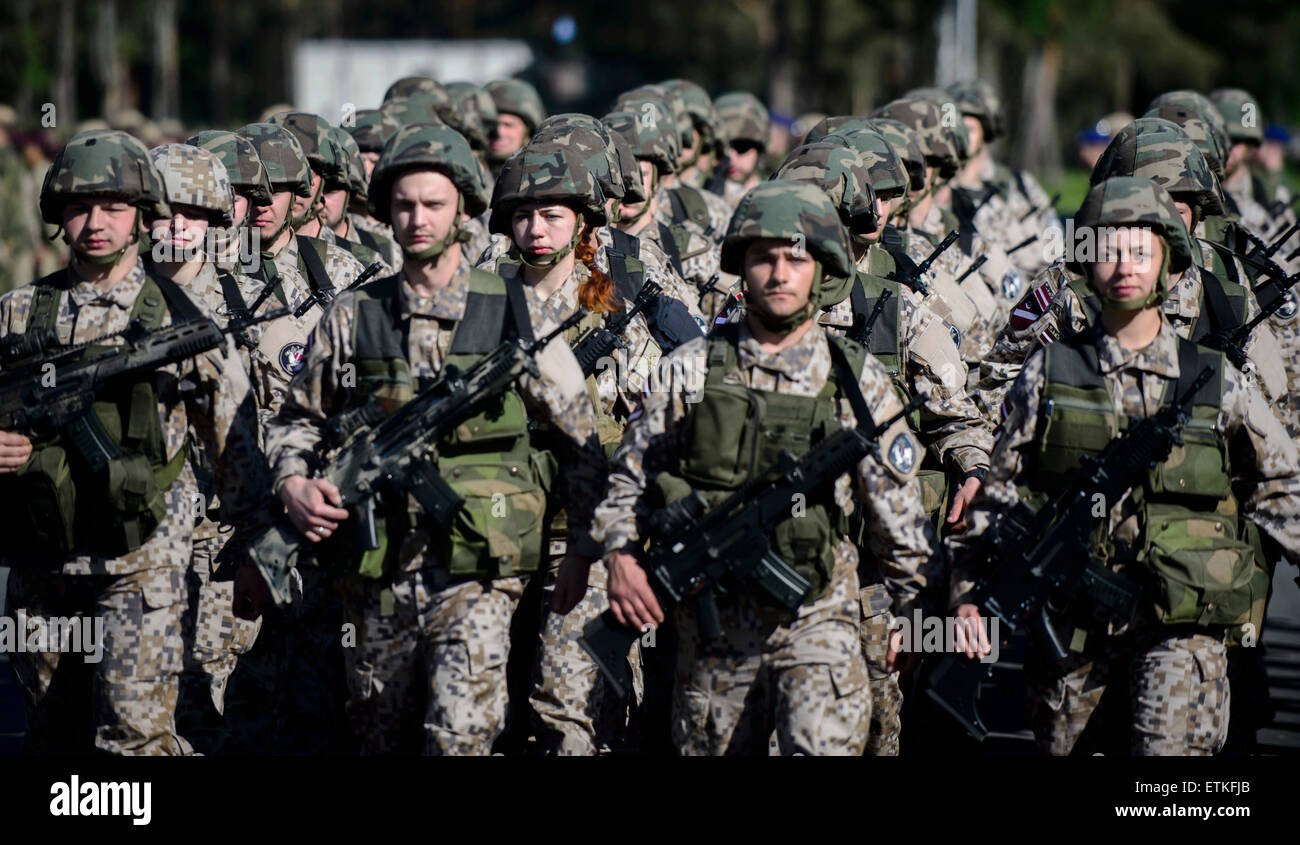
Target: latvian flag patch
pixel 1032 306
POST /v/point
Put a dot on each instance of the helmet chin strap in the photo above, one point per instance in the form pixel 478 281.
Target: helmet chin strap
pixel 456 234
pixel 549 261
pixel 113 257
pixel 790 322
pixel 312 212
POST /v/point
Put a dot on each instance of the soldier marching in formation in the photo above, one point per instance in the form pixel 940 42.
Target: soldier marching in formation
pixel 459 429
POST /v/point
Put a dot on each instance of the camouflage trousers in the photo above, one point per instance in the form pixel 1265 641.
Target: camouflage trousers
pixel 886 694
pixel 576 711
pixel 286 694
pixel 214 640
pixel 1172 697
pixel 126 702
pixel 428 671
pixel 804 678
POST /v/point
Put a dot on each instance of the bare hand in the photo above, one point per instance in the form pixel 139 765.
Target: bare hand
pixel 960 501
pixel 909 659
pixel 630 597
pixel 308 502
pixel 570 583
pixel 252 596
pixel 969 622
pixel 15 449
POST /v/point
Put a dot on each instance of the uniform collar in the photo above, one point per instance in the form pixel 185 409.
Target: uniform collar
pixel 1160 357
pixel 790 363
pixel 123 294
pixel 447 303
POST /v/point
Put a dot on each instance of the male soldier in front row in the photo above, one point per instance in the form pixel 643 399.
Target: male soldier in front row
pixel 114 544
pixel 433 615
pixel 769 383
pixel 1175 535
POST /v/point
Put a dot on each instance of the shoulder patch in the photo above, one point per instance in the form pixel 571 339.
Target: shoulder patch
pixel 1032 306
pixel 1290 306
pixel 291 357
pixel 902 453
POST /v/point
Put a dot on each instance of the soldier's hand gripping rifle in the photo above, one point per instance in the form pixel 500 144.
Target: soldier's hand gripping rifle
pixel 694 548
pixel 48 389
pixel 382 454
pixel 600 341
pixel 1032 563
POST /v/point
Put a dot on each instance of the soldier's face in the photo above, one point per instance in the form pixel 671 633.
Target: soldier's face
pixel 626 211
pixel 742 159
pixel 1128 263
pixel 1185 212
pixel 778 276
pixel 689 152
pixel 371 159
pixel 543 228
pixel 182 233
pixel 336 205
pixel 269 218
pixel 99 227
pixel 300 204
pixel 976 131
pixel 423 208
pixel 509 134
pixel 241 207
pixel 1237 153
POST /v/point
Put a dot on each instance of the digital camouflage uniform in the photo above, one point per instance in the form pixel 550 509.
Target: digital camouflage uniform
pixel 1175 669
pixel 802 677
pixel 125 704
pixel 213 635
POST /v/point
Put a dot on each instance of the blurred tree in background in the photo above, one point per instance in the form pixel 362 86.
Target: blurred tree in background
pixel 1059 65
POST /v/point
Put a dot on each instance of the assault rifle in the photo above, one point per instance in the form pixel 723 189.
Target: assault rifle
pixel 1033 563
pixel 48 389
pixel 381 454
pixel 600 341
pixel 694 548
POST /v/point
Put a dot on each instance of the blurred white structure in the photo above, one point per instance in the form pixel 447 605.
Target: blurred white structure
pixel 328 75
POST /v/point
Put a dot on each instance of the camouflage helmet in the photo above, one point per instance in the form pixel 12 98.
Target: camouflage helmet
pixel 1202 108
pixel 427 146
pixel 978 99
pixel 903 141
pixel 1130 201
pixel 309 129
pixel 1240 113
pixel 925 118
pixel 831 125
pixel 103 163
pixel 842 174
pixel 408 85
pixel 244 168
pixel 403 111
pixel 546 172
pixel 650 140
pixel 517 97
pixel 744 118
pixel 676 108
pixel 1196 128
pixel 608 156
pixel 196 177
pixel 367 130
pixel 280 152
pixel 1156 149
pixel 699 106
pixel 478 114
pixel 348 155
pixel 796 211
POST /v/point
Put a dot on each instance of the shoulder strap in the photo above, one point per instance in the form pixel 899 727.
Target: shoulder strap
pixel 672 249
pixel 1091 302
pixel 692 206
pixel 1191 360
pixel 180 305
pixel 625 243
pixel 230 292
pixel 379 332
pixel 1217 305
pixel 494 309
pixel 844 353
pixel 722 352
pixel 45 301
pixel 317 277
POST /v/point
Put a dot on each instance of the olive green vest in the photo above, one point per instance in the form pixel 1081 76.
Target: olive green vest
pixel 487 460
pixel 56 504
pixel 734 434
pixel 1198 568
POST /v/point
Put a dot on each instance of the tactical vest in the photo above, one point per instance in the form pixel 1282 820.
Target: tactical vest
pixel 625 265
pixel 1198 569
pixel 56 504
pixel 735 434
pixel 487 460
